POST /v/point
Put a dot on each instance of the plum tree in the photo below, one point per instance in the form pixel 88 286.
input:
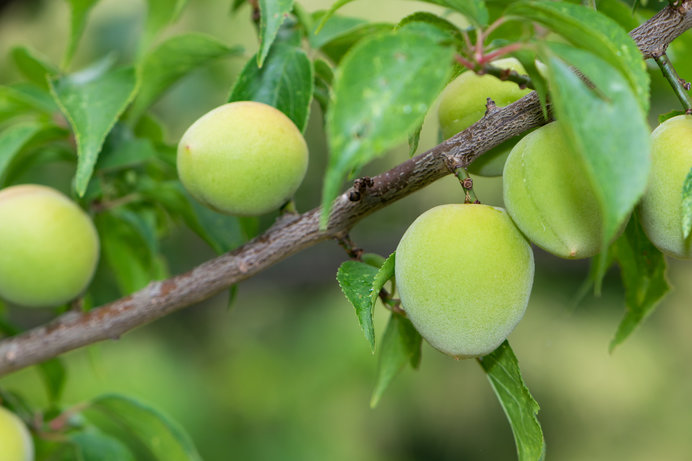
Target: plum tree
pixel 15 440
pixel 549 196
pixel 48 246
pixel 661 207
pixel 242 158
pixel 464 274
pixel 462 104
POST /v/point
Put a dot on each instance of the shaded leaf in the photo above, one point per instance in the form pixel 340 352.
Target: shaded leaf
pixel 33 66
pixel 356 281
pixel 673 113
pixel 272 15
pixel 12 140
pixel 172 60
pixel 54 374
pixel 79 10
pixel 29 96
pixel 643 272
pixel 590 30
pixel 502 368
pixel 400 345
pixel 382 90
pixel 609 131
pixel 150 434
pixel 94 446
pixel 328 15
pixel 92 108
pixel 474 10
pixel 285 81
pixel 687 205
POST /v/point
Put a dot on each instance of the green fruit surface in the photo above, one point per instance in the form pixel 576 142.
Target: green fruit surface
pixel 549 195
pixel 49 247
pixel 661 207
pixel 464 274
pixel 243 158
pixel 15 440
pixel 462 104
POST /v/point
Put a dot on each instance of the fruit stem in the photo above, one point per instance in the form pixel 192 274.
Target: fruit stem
pixel 350 247
pixel 524 81
pixel 680 86
pixel 467 184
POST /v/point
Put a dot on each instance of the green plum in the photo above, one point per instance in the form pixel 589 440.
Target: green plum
pixel 15 441
pixel 243 158
pixel 49 247
pixel 548 194
pixel 661 207
pixel 462 104
pixel 464 274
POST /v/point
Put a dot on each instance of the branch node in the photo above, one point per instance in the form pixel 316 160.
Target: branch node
pixel 360 186
pixel 490 107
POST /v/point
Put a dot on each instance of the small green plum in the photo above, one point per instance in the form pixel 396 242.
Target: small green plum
pixel 243 158
pixel 464 273
pixel 49 247
pixel 15 441
pixel 549 196
pixel 661 207
pixel 462 104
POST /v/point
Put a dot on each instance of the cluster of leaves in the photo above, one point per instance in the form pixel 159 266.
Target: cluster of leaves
pixel 374 83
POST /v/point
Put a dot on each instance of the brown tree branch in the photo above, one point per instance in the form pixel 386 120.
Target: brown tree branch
pixel 291 234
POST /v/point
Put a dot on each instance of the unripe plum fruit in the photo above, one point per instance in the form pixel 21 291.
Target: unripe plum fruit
pixel 15 441
pixel 243 158
pixel 661 207
pixel 549 196
pixel 462 104
pixel 49 247
pixel 464 274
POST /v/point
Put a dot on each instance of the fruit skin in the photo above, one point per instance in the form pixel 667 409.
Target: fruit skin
pixel 49 247
pixel 463 103
pixel 464 274
pixel 661 207
pixel 15 441
pixel 548 194
pixel 243 158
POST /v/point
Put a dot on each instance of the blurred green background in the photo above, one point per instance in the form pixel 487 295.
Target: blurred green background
pixel 285 373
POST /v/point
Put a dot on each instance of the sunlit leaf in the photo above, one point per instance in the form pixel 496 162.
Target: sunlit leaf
pixel 382 90
pixel 502 368
pixel 272 15
pixel 92 108
pixel 79 10
pixel 160 13
pixel 356 280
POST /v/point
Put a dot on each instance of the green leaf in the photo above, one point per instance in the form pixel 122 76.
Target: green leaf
pixel 592 31
pixel 126 253
pixel 160 13
pixel 54 374
pixel 28 96
pixel 94 446
pixel 123 150
pixel 172 60
pixel 158 437
pixel 643 272
pixel 328 15
pixel 687 205
pixel 608 129
pixel 33 66
pixel 336 27
pixel 336 48
pixel 385 272
pixel 79 10
pixel 12 140
pixel 400 345
pixel 356 281
pixel 285 81
pixel 92 108
pixel 474 10
pixel 382 90
pixel 673 113
pixel 521 409
pixel 272 15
